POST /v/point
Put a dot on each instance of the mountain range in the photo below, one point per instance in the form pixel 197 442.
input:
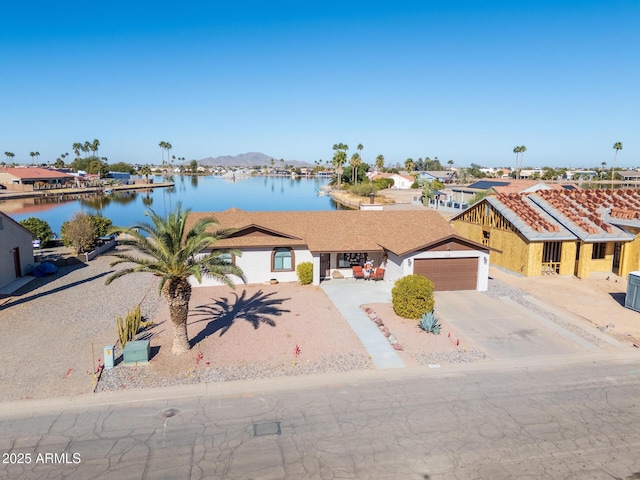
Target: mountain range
pixel 250 159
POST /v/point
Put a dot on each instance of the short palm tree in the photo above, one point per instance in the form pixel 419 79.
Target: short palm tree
pixel 380 162
pixel 174 255
pixel 146 171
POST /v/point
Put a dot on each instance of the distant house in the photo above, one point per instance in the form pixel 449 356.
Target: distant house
pixel 16 250
pixel 444 176
pixel 551 231
pixel 408 242
pixel 399 181
pixel 30 178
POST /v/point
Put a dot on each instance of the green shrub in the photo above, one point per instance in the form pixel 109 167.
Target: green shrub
pixel 305 272
pixel 412 296
pixel 40 229
pixel 382 183
pixel 429 323
pixel 364 189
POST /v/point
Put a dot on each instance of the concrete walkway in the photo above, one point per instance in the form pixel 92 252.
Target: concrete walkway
pixel 347 295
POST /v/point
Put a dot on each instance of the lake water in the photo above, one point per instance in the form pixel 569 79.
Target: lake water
pixel 200 193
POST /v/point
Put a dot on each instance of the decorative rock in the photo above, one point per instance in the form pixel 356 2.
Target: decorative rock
pixel 379 322
pixel 387 334
pixel 392 338
pixel 372 316
pixel 337 274
pixel 385 329
pixel 397 346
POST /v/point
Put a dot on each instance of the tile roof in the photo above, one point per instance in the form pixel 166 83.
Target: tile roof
pixel 34 173
pixel 532 221
pixel 399 231
pixel 590 215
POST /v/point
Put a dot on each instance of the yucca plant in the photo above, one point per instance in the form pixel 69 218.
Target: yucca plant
pixel 429 323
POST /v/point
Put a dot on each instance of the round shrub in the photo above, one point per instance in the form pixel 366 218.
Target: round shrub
pixel 412 296
pixel 305 272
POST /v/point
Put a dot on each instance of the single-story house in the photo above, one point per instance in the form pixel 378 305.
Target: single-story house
pixel 16 250
pixel 444 176
pixel 28 178
pixel 403 242
pixel 399 180
pixel 566 232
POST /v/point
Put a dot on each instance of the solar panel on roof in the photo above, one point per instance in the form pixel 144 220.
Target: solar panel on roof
pixel 486 184
pixel 569 187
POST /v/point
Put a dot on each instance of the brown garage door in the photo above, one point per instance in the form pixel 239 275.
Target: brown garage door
pixel 449 273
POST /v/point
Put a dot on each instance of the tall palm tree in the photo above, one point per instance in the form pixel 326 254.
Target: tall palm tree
pixel 360 147
pixel 162 146
pixel 94 146
pixel 76 148
pixel 37 154
pixel 602 170
pixel 168 147
pixel 86 146
pixel 339 159
pixel 355 162
pixel 173 254
pixel 380 162
pixel 522 150
pixel 450 163
pixel 516 150
pixel 32 154
pixel 8 155
pixel 617 146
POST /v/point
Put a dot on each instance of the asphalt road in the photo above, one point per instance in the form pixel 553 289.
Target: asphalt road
pixel 564 418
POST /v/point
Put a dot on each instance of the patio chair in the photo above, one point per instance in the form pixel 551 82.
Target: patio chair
pixel 357 272
pixel 378 274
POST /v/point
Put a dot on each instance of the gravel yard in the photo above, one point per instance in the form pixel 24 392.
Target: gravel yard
pixel 55 328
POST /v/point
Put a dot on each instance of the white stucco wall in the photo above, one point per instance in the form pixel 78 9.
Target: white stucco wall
pixel 256 265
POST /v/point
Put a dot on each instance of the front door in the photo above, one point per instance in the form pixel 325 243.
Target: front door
pixel 16 262
pixel 617 247
pixel 325 266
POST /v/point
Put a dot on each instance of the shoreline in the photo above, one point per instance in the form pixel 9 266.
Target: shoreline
pixel 77 191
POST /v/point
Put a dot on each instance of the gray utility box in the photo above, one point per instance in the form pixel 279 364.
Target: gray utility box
pixel 632 299
pixel 136 351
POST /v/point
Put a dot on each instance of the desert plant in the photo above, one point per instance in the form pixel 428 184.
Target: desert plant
pixel 412 295
pixel 129 327
pixel 304 271
pixel 429 323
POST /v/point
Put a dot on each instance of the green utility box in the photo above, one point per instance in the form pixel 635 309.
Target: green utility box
pixel 136 351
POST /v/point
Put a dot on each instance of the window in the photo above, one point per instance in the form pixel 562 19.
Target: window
pixel 229 258
pixel 599 251
pixel 348 260
pixel 282 259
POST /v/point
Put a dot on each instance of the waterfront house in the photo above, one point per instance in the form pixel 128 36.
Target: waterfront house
pixel 402 242
pixel 400 181
pixel 27 179
pixel 16 250
pixel 565 232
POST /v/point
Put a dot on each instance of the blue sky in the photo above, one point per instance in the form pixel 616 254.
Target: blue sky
pixel 460 80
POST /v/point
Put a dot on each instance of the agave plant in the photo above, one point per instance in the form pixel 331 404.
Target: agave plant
pixel 429 323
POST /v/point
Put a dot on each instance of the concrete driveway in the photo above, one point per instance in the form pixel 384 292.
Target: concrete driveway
pixel 505 329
